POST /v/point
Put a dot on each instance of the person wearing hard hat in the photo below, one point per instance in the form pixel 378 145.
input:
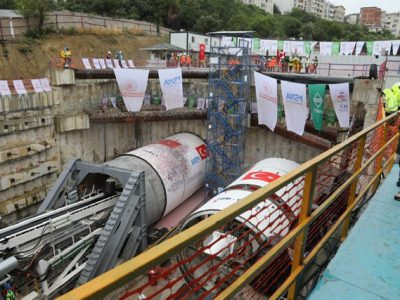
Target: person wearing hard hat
pixel 391 105
pixel 396 92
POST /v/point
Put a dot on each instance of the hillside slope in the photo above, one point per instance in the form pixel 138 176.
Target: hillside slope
pixel 30 58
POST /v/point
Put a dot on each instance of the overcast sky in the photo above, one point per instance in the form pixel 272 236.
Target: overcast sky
pixel 353 6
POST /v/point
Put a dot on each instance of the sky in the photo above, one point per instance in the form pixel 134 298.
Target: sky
pixel 353 6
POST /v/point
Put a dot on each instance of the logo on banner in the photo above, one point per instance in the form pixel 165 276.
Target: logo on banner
pixel 266 92
pixel 263 176
pixel 318 100
pixel 172 81
pixel 129 89
pixel 341 96
pixel 202 150
pixel 295 98
pixel 170 143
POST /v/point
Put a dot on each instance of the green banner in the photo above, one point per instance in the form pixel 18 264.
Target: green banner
pixel 307 48
pixel 280 45
pixel 330 117
pixel 256 43
pixel 335 48
pixel 316 93
pixel 370 45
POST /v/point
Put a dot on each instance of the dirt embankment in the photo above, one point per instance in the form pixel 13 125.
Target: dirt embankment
pixel 30 58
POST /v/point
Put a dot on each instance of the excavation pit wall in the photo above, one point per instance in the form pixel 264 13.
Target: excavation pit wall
pixel 41 132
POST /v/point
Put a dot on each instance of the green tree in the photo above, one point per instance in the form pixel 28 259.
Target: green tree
pixel 207 24
pixel 7 4
pixel 276 10
pixel 36 8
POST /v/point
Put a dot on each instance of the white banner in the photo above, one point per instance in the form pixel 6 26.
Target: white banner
pixel 19 87
pixel 132 85
pixel 295 103
pixel 346 48
pixel 130 63
pixel 380 47
pixel 86 63
pixel 123 63
pixel 45 84
pixel 171 87
pixel 4 88
pixel 113 101
pixel 359 47
pixel 267 100
pixel 269 45
pixel 395 45
pixel 227 41
pixel 96 63
pixel 109 64
pixel 325 48
pixel 340 94
pixel 201 102
pixel 102 63
pixel 37 86
pixel 298 46
pixel 116 63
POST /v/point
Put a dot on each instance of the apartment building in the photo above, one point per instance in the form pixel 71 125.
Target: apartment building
pixel 319 8
pixel 266 5
pixel 372 17
pixel 392 23
pixel 352 18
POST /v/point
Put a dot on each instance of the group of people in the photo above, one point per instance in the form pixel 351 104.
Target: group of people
pixel 392 98
pixel 295 63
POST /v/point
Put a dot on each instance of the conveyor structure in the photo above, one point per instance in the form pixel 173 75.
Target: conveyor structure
pixel 97 215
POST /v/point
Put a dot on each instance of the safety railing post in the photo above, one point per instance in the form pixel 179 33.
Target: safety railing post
pixel 308 195
pixel 353 187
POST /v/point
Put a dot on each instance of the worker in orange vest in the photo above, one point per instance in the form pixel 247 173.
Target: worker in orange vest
pixel 182 59
pixel 188 60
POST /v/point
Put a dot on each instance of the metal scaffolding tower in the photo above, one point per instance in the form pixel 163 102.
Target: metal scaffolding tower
pixel 229 95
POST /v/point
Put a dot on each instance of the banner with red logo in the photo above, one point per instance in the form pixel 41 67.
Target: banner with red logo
pixel 267 100
pixel 132 84
pixel 202 51
pixel 171 87
pixel 340 94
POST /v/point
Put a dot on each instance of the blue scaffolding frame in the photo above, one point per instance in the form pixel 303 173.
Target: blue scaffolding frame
pixel 229 95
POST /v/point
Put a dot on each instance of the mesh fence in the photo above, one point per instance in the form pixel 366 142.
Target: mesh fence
pixel 213 262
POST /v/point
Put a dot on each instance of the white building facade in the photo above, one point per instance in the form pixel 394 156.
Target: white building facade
pixel 320 8
pixel 266 5
pixel 391 22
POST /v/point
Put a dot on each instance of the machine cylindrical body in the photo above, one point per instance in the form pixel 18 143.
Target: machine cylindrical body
pixel 8 265
pixel 174 170
pixel 258 176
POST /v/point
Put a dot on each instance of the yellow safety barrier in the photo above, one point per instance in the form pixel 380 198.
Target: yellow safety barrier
pixel 364 157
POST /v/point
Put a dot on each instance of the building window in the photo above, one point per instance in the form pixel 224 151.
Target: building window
pixel 192 39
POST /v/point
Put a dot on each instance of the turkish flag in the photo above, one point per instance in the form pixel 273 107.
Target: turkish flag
pixel 170 143
pixel 263 176
pixel 202 52
pixel 202 150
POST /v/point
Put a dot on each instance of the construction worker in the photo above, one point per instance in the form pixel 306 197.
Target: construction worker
pixel 396 93
pixel 182 60
pixel 188 60
pixel 66 56
pixel 391 105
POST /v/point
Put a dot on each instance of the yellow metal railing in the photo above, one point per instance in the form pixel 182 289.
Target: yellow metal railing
pixel 371 152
